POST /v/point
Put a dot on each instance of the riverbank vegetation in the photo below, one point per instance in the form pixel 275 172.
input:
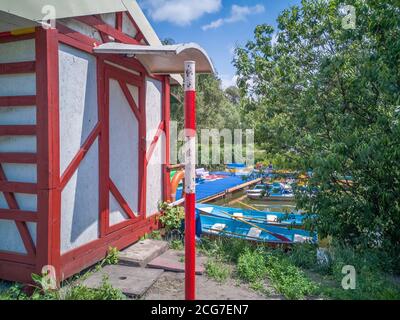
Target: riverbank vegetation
pixel 323 94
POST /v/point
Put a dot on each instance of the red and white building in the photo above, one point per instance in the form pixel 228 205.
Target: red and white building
pixel 84 131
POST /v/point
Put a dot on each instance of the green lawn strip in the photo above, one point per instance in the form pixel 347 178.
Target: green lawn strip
pixel 70 290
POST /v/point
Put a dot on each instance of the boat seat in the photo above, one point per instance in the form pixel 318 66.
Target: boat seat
pixel 254 233
pixel 301 239
pixel 272 218
pixel 217 227
pixel 238 215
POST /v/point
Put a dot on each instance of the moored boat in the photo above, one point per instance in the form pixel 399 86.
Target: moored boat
pixel 238 228
pixel 274 192
pixel 262 217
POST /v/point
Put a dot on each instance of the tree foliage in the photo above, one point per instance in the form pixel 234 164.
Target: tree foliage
pixel 215 108
pixel 327 98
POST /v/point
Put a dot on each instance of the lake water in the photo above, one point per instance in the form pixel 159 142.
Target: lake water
pixel 239 200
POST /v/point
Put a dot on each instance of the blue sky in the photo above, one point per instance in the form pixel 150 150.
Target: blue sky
pixel 217 25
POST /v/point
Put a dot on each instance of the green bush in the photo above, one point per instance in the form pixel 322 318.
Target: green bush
pixel 287 279
pixel 217 270
pixel 171 217
pixel 251 266
pixel 304 255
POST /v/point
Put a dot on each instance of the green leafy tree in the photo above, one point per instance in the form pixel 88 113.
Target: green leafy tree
pixel 214 108
pixel 326 97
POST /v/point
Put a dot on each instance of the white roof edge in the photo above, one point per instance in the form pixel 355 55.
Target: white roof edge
pixel 32 9
pixel 163 59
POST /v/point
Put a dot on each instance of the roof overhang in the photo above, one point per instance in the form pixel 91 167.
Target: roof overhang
pixel 161 60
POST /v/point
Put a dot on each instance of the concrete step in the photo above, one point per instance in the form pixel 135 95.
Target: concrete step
pixel 132 281
pixel 142 252
pixel 173 260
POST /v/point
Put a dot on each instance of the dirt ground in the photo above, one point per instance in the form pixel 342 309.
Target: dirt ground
pixel 170 286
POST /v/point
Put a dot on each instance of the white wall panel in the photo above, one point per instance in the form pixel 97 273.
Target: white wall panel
pixel 153 108
pixel 127 26
pixel 18 144
pixel 17 172
pixel 78 101
pixel 117 214
pixel 80 204
pixel 154 193
pixel 124 146
pixel 17 51
pixel 23 84
pixel 10 240
pixel 18 115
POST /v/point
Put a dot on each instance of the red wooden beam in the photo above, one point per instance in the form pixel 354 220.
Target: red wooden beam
pixel 130 99
pixel 18 187
pixel 118 21
pixel 21 130
pixel 18 215
pixel 107 29
pixel 75 43
pixel 48 150
pixel 139 36
pixel 17 101
pixel 122 202
pixel 21 226
pixel 130 63
pixel 18 158
pixel 17 67
pixel 153 144
pixel 16 267
pixel 8 37
pixel 73 166
pixel 88 254
pixel 79 38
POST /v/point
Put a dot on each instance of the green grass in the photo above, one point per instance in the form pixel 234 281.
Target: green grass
pixel 296 273
pixel 74 290
pixel 288 279
pixel 217 270
pixel 251 266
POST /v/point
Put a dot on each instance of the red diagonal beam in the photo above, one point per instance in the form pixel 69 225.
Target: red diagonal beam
pixel 130 99
pixel 68 35
pixel 122 202
pixel 73 166
pixel 109 30
pixel 139 36
pixel 22 227
pixel 153 144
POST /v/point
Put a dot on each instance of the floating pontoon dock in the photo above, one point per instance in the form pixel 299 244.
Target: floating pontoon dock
pixel 218 189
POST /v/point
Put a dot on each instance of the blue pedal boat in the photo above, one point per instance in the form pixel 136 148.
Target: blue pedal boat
pixel 262 217
pixel 241 229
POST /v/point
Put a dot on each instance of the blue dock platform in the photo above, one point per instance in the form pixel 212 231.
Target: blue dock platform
pixel 209 189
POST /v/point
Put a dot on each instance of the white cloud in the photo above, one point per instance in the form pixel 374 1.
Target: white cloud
pixel 238 13
pixel 180 12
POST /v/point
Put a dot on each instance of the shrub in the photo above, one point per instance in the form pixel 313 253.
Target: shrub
pixel 217 270
pixel 251 266
pixel 287 279
pixel 171 217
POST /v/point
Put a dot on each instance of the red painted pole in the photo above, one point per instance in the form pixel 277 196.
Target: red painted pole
pixel 190 180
